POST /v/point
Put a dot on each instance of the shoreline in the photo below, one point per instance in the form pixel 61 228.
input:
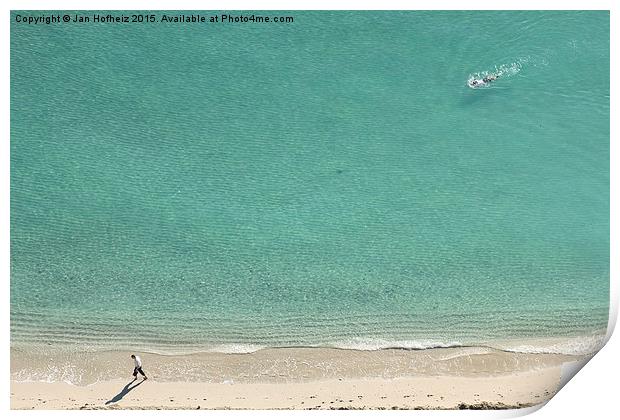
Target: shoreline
pixel 292 378
pixel 276 365
pixel 582 343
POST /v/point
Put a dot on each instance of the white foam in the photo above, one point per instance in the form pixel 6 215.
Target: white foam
pixel 381 344
pixel 578 346
pixel 236 348
pixel 68 374
pixel 501 70
pixel 507 70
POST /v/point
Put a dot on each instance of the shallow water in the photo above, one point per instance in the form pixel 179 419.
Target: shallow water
pixel 330 182
pixel 278 365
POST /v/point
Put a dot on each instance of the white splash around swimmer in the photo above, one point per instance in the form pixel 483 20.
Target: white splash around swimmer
pixel 485 78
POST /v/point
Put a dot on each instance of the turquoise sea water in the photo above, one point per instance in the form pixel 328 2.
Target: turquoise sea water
pixel 326 182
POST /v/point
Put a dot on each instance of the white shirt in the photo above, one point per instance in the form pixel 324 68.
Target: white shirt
pixel 138 362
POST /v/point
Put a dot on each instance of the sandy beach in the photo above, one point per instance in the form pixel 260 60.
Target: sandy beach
pixel 512 391
pixel 458 378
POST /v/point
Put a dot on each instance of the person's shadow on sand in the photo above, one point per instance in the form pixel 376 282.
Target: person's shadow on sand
pixel 124 392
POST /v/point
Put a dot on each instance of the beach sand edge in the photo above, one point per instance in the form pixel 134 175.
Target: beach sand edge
pixel 518 390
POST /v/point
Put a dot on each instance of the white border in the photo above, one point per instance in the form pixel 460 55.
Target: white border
pixel 310 5
pixel 593 393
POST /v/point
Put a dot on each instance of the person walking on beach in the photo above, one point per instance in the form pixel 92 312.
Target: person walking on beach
pixel 138 368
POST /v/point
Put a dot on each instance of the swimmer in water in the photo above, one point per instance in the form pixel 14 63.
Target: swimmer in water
pixel 485 81
pixel 490 78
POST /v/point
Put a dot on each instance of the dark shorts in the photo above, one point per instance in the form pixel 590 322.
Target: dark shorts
pixel 138 369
